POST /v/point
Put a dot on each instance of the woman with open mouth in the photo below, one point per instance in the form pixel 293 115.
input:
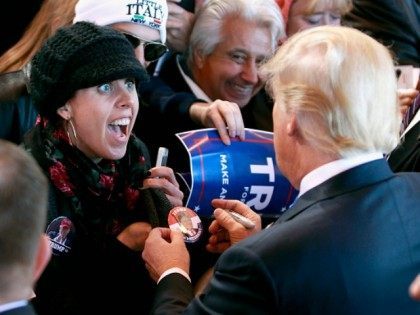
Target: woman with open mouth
pixel 84 83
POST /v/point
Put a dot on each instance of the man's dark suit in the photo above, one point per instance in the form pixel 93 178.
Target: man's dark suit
pixel 348 246
pixel 24 310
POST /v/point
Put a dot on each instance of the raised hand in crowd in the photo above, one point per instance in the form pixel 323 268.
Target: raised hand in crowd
pixel 406 98
pixel 225 116
pixel 178 26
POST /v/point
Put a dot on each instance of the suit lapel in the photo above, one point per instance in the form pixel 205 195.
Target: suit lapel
pixel 352 179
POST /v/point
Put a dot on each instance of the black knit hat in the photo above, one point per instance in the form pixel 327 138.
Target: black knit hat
pixel 79 56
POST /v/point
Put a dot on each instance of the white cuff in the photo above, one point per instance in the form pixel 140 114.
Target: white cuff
pixel 174 270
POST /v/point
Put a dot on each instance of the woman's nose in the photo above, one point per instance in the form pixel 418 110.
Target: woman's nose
pixel 127 97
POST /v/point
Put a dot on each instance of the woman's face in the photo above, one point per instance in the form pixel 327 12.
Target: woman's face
pixel 299 21
pixel 103 117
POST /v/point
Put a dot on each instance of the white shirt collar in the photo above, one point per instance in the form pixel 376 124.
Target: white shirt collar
pixel 12 305
pixel 326 171
pixel 197 91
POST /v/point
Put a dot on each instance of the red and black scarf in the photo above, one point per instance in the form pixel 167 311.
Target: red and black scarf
pixel 105 197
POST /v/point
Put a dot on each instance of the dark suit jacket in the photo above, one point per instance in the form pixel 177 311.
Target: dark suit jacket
pixel 25 310
pixel 348 246
pixel 406 157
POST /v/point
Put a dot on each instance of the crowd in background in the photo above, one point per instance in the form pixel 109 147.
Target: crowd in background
pixel 85 92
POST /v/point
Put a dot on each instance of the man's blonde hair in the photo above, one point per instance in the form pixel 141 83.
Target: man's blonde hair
pixel 341 85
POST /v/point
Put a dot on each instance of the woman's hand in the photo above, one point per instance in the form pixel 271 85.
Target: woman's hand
pixel 163 177
pixel 134 236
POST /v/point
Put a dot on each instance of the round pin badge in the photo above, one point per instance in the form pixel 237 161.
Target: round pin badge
pixel 187 221
pixel 60 232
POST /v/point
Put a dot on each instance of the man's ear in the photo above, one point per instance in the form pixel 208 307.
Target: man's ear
pixel 198 58
pixel 65 112
pixel 42 257
pixel 292 126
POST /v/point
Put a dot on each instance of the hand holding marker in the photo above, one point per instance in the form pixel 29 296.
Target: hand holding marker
pixel 162 156
pixel 247 223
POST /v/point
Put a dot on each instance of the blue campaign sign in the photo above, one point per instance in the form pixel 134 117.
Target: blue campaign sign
pixel 245 170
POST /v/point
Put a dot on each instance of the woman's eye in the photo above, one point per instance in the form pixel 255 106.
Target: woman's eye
pixel 313 19
pixel 106 87
pixel 335 16
pixel 131 84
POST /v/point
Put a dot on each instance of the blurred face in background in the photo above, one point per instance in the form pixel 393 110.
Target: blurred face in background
pixel 145 40
pixel 305 14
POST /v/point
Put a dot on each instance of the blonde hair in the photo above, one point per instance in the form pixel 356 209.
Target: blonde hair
pixel 342 6
pixel 52 15
pixel 341 85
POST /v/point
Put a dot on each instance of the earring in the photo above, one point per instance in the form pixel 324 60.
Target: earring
pixel 69 122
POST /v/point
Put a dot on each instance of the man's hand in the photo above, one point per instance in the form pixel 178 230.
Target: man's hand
pixel 224 230
pixel 414 289
pixel 225 116
pixel 165 249
pixel 178 26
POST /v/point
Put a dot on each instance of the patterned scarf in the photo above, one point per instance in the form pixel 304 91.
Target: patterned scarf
pixel 104 197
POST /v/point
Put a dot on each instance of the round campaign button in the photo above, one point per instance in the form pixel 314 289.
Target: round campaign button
pixel 187 221
pixel 61 233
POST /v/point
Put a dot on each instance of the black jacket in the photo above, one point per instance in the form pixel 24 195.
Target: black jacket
pixel 395 23
pixel 17 112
